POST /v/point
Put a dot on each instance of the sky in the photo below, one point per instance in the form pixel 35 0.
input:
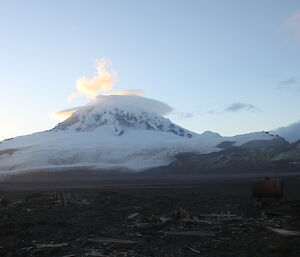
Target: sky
pixel 227 66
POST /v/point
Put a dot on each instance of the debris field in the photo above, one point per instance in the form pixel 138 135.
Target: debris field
pixel 147 222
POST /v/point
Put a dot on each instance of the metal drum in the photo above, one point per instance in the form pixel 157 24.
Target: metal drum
pixel 269 187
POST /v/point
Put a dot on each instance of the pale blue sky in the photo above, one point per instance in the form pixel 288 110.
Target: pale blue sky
pixel 198 56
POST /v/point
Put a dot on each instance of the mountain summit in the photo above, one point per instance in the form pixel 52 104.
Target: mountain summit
pixel 119 119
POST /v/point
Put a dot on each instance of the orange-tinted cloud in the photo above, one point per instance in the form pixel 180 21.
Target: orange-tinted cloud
pixel 98 89
pixel 103 81
pixel 64 114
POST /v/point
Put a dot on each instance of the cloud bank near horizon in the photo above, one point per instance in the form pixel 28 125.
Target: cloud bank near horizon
pixel 291 132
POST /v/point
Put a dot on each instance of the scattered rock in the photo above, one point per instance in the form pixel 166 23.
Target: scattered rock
pixel 133 215
pixel 112 240
pixel 190 233
pixel 38 246
pixel 284 232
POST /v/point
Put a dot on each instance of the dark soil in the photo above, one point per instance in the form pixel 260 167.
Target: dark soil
pixel 153 220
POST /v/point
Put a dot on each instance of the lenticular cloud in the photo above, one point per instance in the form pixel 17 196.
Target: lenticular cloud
pixel 119 101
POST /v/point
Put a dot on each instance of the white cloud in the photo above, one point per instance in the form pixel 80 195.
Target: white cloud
pixel 136 92
pixel 103 101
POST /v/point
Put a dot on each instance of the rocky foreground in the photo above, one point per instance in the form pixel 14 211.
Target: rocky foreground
pixel 204 219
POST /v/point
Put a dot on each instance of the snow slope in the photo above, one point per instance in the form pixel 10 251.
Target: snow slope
pixel 110 136
pixel 119 118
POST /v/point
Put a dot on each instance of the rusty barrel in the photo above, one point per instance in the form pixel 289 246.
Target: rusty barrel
pixel 269 187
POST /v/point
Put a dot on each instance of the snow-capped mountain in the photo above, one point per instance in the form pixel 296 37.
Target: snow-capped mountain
pixel 113 136
pixel 119 119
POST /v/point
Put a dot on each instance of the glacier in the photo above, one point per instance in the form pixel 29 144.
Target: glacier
pixel 114 135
